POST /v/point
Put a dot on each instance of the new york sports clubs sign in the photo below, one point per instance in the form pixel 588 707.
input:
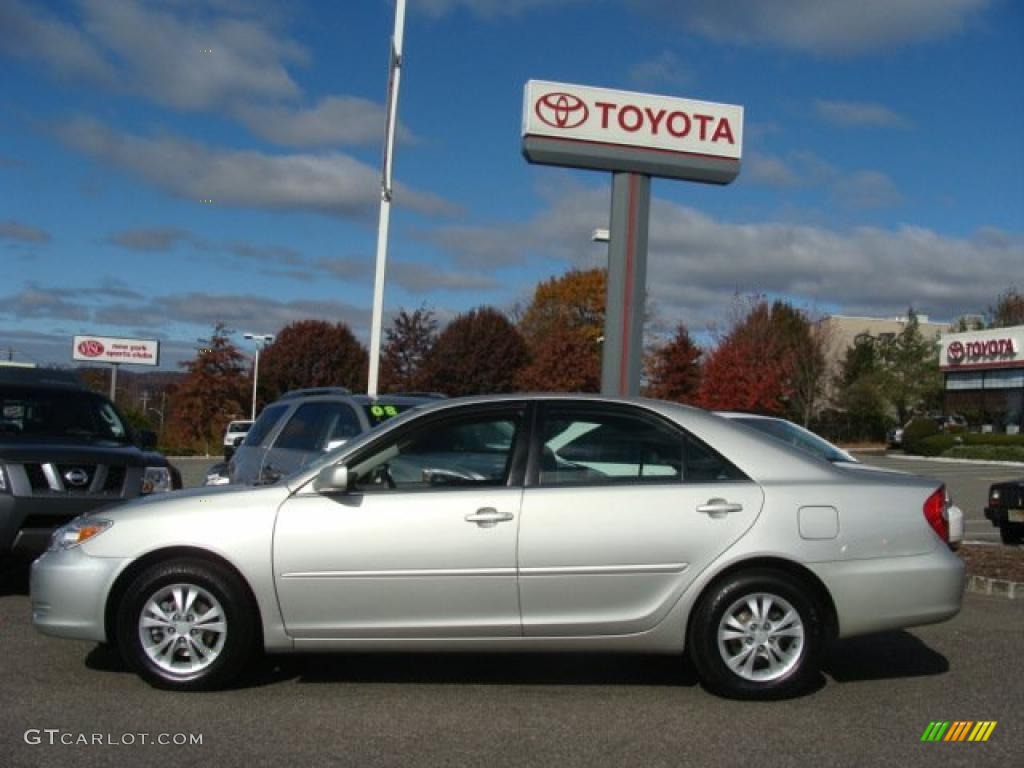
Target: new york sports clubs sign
pixel 584 127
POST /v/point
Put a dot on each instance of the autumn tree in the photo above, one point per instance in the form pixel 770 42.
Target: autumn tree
pixel 312 353
pixel 565 361
pixel 756 365
pixel 406 345
pixel 1009 309
pixel 478 352
pixel 574 300
pixel 673 368
pixel 214 390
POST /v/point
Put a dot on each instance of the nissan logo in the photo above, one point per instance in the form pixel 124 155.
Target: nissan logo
pixel 956 351
pixel 561 110
pixel 76 477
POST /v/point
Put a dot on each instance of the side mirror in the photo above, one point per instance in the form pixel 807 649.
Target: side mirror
pixel 147 439
pixel 332 479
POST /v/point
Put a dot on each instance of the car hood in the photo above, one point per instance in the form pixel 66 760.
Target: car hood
pixel 69 452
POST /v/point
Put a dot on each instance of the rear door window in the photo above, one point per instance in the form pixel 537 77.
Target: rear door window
pixel 264 425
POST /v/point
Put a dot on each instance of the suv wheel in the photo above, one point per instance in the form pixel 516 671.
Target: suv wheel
pixel 187 625
pixel 756 635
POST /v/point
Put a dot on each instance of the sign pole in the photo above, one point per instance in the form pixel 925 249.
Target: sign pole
pixel 395 73
pixel 622 355
pixel 113 382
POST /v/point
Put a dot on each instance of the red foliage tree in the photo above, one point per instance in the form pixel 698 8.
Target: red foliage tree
pixel 564 361
pixel 312 353
pixel 478 352
pixel 674 369
pixel 214 391
pixel 750 369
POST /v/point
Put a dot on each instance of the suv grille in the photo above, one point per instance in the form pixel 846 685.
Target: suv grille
pixel 76 479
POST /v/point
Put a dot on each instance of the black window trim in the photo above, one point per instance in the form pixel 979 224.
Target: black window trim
pixel 598 408
pixel 520 447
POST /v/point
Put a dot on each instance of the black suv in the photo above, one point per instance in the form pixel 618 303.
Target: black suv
pixel 64 451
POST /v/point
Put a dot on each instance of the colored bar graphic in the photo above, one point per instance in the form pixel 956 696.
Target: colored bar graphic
pixel 934 731
pixel 959 730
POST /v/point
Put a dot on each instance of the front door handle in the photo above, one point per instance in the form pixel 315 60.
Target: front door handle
pixel 488 517
pixel 719 508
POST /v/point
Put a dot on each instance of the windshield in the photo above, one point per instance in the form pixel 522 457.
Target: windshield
pixel 32 414
pixel 798 437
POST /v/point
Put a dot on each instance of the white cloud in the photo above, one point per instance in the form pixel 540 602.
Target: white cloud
pixel 331 183
pixel 697 263
pixel 867 189
pixel 857 113
pixel 830 27
pixel 664 69
pixel 488 9
pixel 333 120
pixel 417 277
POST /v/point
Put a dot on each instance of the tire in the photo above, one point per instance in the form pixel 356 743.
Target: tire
pixel 770 659
pixel 1010 534
pixel 187 625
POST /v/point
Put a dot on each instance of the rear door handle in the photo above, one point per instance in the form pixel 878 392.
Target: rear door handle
pixel 719 508
pixel 488 517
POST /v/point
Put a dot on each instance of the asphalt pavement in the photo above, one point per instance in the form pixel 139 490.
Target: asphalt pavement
pixel 871 707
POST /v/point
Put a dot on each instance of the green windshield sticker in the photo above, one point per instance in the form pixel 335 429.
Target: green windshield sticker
pixel 384 411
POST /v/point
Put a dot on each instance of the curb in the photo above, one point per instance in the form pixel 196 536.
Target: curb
pixel 982 585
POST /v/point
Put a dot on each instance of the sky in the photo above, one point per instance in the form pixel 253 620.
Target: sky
pixel 169 164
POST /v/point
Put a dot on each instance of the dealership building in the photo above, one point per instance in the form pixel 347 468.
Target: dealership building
pixel 984 377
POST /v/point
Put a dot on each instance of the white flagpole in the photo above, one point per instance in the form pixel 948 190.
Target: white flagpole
pixel 394 75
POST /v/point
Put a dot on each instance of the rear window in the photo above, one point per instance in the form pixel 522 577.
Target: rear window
pixel 264 424
pixel 378 413
pixel 239 426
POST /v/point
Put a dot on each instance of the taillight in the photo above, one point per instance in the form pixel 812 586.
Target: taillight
pixel 935 513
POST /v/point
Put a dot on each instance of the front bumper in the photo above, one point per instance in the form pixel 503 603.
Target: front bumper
pixel 69 591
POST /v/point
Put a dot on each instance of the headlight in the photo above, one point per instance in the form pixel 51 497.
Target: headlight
pixel 3 480
pixel 156 480
pixel 78 531
pixel 995 495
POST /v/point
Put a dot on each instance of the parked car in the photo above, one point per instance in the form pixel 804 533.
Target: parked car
pixel 217 474
pixel 65 450
pixel 305 423
pixel 235 431
pixel 511 523
pixel 1005 510
pixel 804 439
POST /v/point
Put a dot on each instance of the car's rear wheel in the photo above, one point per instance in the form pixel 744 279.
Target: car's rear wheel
pixel 187 625
pixel 756 634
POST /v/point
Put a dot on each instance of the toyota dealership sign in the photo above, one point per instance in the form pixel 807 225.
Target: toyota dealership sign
pixel 103 349
pixel 585 127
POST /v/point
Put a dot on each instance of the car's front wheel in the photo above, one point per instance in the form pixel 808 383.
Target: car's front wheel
pixel 756 634
pixel 187 625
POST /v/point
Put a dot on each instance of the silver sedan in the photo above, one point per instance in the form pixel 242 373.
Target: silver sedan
pixel 516 523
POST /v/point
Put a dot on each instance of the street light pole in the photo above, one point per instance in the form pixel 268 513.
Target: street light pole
pixel 383 223
pixel 260 339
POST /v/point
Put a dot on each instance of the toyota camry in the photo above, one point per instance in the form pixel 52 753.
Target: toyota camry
pixel 515 523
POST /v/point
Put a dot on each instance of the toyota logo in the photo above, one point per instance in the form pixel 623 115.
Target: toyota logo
pixel 76 477
pixel 956 351
pixel 561 110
